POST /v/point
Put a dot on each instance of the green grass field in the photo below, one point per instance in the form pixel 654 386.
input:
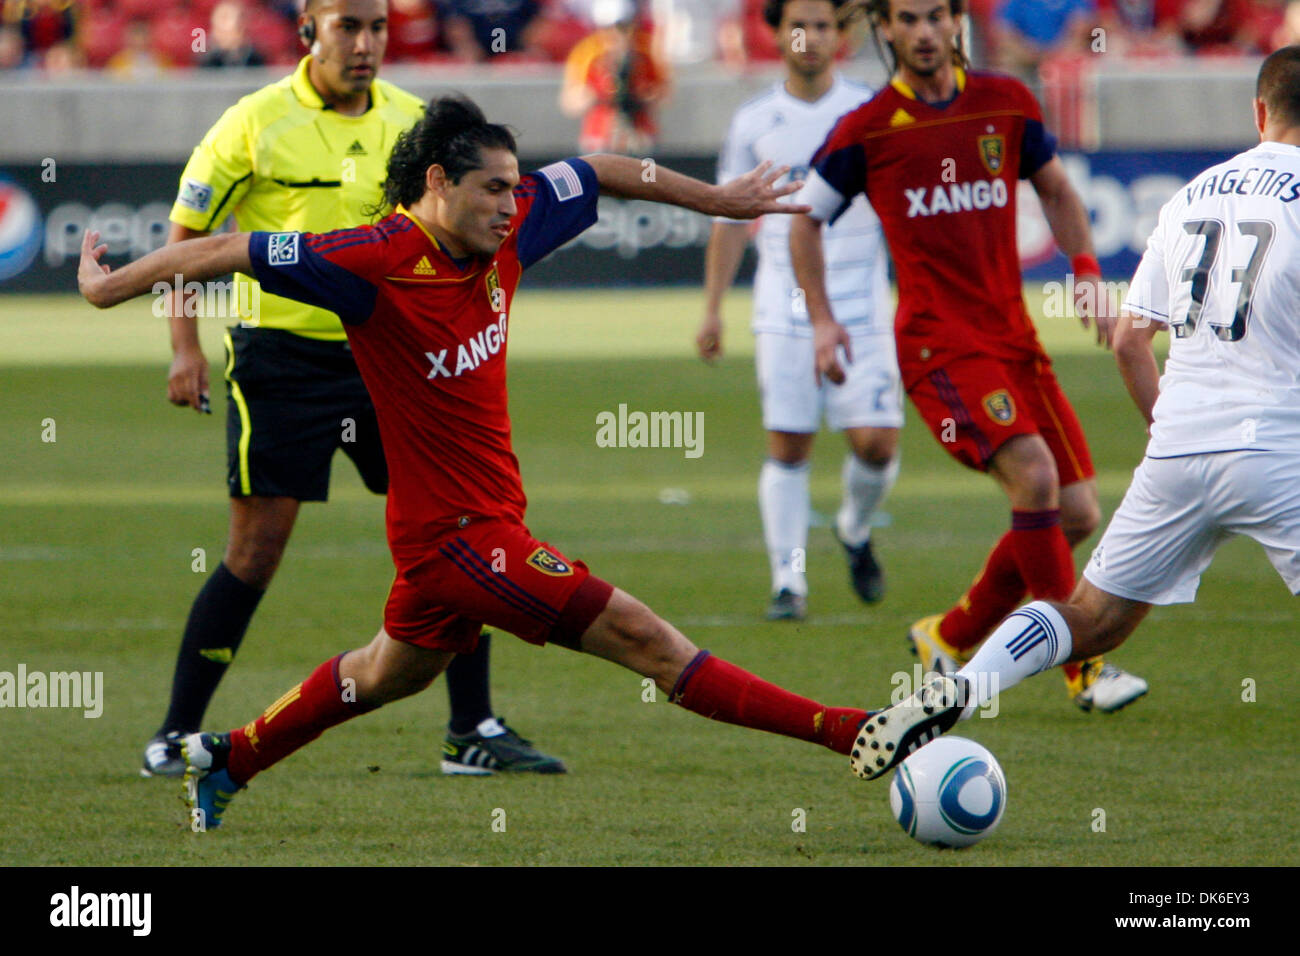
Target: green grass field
pixel 97 531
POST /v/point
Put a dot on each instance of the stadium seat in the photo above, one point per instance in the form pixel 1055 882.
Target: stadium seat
pixel 560 34
pixel 202 10
pixel 142 9
pixel 102 34
pixel 173 36
pixel 759 47
pixel 273 36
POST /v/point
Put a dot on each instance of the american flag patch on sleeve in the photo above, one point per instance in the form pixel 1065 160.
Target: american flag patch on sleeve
pixel 563 179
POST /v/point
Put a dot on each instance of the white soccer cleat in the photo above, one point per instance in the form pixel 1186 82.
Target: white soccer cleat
pixel 1108 688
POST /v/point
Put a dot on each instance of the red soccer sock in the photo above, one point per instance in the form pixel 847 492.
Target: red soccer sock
pixel 997 592
pixel 296 719
pixel 718 690
pixel 1033 556
pixel 1042 554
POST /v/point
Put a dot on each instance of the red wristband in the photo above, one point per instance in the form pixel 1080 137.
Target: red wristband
pixel 1085 265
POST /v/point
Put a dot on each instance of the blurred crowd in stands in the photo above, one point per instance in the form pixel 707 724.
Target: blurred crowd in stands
pixel 140 39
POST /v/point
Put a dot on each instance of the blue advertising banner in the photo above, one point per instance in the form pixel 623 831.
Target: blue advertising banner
pixel 1123 193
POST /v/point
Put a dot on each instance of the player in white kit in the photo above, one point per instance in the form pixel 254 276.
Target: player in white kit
pixel 1222 273
pixel 786 124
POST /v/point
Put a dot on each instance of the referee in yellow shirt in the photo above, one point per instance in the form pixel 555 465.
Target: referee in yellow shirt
pixel 308 152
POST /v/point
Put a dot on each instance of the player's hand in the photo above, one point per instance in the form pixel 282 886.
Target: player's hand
pixel 756 193
pixel 1093 306
pixel 828 339
pixel 709 340
pixel 187 380
pixel 92 276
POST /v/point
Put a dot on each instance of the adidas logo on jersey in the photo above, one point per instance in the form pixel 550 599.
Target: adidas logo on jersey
pixel 901 117
pixel 356 149
pixel 424 267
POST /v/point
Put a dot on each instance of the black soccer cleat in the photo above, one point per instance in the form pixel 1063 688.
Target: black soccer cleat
pixel 889 737
pixel 865 573
pixel 493 747
pixel 787 606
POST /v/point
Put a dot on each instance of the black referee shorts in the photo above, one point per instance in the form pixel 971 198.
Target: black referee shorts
pixel 292 402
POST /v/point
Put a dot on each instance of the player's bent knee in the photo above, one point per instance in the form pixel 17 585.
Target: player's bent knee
pixel 255 568
pixel 254 557
pixel 387 669
pixel 1027 472
pixel 1034 486
pixel 789 448
pixel 879 448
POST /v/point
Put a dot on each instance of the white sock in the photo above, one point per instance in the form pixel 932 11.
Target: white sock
pixel 1027 642
pixel 865 486
pixel 783 503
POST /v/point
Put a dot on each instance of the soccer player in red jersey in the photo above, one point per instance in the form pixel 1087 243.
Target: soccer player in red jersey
pixel 938 153
pixel 425 297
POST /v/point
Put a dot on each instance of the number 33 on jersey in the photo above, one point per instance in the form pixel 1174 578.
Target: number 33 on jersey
pixel 1221 271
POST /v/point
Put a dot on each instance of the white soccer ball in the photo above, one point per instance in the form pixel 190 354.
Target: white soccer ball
pixel 951 793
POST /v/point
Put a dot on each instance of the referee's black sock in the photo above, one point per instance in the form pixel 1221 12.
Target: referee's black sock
pixel 467 688
pixel 213 633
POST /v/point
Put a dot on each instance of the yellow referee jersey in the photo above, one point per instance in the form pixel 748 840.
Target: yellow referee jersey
pixel 280 160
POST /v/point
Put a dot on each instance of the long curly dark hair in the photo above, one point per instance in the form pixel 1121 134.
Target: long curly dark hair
pixel 878 13
pixel 451 134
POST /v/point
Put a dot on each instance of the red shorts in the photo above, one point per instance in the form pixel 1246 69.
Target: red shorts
pixel 974 405
pixel 492 572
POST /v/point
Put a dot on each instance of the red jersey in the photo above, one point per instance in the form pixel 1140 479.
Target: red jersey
pixel 429 335
pixel 942 178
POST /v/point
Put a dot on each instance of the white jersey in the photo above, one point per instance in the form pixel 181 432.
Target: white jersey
pixel 1222 271
pixel 786 130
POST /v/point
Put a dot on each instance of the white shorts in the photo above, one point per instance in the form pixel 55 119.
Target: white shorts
pixel 1179 510
pixel 871 396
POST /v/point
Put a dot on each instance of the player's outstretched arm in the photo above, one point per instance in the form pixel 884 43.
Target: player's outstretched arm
pixel 192 260
pixel 809 264
pixel 1068 218
pixel 745 197
pixel 1137 360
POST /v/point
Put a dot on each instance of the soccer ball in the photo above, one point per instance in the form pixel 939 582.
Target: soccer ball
pixel 951 793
